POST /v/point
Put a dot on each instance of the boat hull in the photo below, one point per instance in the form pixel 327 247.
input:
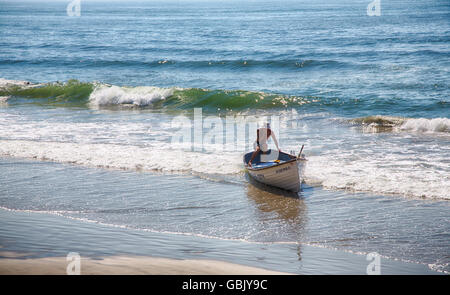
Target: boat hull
pixel 286 175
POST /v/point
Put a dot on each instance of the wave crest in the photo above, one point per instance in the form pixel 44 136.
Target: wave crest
pixel 427 125
pixel 94 94
pixel 381 123
pixel 137 96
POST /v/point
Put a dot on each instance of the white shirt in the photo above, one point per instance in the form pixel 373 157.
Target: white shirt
pixel 263 139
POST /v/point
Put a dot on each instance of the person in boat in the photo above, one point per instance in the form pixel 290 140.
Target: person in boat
pixel 262 136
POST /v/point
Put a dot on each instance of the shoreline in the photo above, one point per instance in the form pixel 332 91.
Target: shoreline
pixel 36 243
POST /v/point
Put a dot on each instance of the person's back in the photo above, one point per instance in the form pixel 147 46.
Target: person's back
pixel 263 134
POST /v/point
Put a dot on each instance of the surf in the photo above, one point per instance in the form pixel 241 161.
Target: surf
pixel 96 94
pixel 381 123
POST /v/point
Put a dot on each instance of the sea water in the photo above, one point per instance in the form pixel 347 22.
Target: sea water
pixel 146 109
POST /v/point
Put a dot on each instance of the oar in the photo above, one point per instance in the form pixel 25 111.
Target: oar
pixel 299 154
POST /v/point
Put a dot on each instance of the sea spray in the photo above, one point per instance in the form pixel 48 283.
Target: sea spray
pixel 426 125
pixel 136 96
pixel 379 123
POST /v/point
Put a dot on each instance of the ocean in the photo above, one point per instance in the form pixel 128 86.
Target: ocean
pixel 136 115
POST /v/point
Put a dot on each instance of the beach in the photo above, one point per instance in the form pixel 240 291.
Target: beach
pixel 123 130
pixel 126 265
pixel 40 243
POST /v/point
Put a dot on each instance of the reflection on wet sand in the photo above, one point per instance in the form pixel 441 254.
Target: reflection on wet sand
pixel 282 212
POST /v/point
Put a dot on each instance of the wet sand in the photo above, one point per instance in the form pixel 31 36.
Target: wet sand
pixel 37 243
pixel 123 265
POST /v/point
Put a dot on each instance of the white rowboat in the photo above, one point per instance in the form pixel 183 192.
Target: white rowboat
pixel 277 169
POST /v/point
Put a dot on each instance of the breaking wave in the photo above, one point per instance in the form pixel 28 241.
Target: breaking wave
pixel 427 125
pixel 380 123
pixel 76 93
pixel 134 96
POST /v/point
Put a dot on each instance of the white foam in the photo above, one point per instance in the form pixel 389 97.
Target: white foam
pixel 385 174
pixel 127 157
pixel 8 83
pixel 426 125
pixel 137 96
pixel 4 99
pixel 392 167
pixel 439 267
pixel 379 123
pixel 119 145
pixel 19 127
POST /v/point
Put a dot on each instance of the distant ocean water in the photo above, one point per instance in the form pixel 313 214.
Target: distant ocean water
pixel 368 96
